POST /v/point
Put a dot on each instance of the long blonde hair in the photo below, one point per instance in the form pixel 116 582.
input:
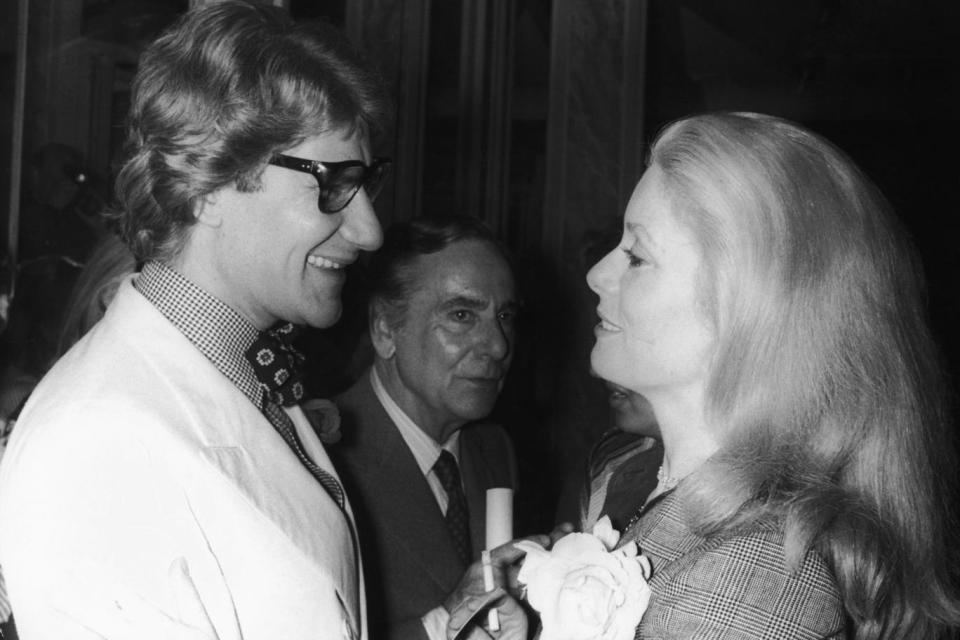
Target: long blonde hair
pixel 826 386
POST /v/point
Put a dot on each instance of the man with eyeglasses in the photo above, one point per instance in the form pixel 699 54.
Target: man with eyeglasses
pixel 162 481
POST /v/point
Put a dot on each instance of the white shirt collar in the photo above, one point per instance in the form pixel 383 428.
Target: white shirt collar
pixel 424 448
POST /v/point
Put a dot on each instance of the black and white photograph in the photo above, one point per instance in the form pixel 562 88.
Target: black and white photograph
pixel 480 319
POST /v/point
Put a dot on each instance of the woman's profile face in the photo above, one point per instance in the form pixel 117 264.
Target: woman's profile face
pixel 653 337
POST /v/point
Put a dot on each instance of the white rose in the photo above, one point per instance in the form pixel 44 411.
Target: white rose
pixel 585 590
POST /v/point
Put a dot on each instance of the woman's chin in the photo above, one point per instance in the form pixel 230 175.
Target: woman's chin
pixel 600 366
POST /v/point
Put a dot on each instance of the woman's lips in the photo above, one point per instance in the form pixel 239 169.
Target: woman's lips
pixel 606 325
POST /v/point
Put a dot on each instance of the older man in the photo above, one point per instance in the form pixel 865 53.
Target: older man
pixel 162 481
pixel 416 455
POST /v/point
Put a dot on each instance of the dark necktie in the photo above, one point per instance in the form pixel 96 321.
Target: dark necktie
pixel 458 517
pixel 275 362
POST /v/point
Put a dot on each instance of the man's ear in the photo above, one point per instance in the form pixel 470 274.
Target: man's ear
pixel 382 334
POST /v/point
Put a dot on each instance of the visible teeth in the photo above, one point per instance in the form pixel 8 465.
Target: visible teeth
pixel 606 326
pixel 319 261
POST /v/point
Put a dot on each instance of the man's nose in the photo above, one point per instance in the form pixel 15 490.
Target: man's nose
pixel 360 224
pixel 494 341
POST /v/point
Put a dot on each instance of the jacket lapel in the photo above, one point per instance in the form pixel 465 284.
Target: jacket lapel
pixel 408 501
pixel 222 428
pixel 290 496
pixel 237 439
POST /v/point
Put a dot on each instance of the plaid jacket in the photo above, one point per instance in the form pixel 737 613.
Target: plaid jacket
pixel 731 587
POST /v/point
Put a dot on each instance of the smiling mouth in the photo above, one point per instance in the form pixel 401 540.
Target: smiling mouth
pixel 325 263
pixel 605 325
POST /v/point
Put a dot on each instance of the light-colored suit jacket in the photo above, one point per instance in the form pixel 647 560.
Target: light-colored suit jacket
pixel 734 586
pixel 409 554
pixel 143 496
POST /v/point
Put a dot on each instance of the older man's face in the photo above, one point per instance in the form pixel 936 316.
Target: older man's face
pixel 454 346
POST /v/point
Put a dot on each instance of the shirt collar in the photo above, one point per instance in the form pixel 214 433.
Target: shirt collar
pixel 217 330
pixel 425 449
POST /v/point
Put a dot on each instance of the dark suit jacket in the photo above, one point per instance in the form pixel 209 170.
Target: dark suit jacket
pixel 409 558
pixel 733 586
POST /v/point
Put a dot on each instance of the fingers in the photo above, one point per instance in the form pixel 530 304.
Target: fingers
pixel 465 610
pixel 507 554
pixel 560 531
pixel 465 624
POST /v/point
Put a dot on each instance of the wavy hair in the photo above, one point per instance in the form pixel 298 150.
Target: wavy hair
pixel 826 386
pixel 390 272
pixel 225 88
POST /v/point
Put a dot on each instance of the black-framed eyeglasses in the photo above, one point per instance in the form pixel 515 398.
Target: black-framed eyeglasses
pixel 339 181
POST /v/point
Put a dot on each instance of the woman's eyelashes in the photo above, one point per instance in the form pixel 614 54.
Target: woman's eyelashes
pixel 633 259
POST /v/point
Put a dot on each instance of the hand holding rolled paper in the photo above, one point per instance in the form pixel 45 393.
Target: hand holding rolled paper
pixel 483 585
pixel 472 598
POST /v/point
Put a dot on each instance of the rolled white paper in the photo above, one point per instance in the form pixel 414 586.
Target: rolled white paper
pixel 499 531
pixel 499 517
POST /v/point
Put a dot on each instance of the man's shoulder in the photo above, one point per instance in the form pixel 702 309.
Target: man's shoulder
pixel 365 427
pixel 131 371
pixel 357 396
pixel 485 434
pixel 133 352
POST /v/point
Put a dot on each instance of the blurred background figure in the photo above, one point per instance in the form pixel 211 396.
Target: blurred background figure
pixel 631 413
pixel 60 213
pixel 86 302
pixel 6 290
pixel 60 224
pixel 110 262
pixel 623 464
pixel 6 284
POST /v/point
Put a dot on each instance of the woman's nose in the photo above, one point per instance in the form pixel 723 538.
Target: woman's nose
pixel 601 277
pixel 360 223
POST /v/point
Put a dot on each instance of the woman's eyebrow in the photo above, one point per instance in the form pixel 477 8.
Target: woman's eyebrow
pixel 640 232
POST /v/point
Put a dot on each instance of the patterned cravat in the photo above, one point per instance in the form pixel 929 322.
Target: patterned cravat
pixel 458 518
pixel 274 361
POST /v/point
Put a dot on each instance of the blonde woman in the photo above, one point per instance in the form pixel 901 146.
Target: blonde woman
pixel 767 304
